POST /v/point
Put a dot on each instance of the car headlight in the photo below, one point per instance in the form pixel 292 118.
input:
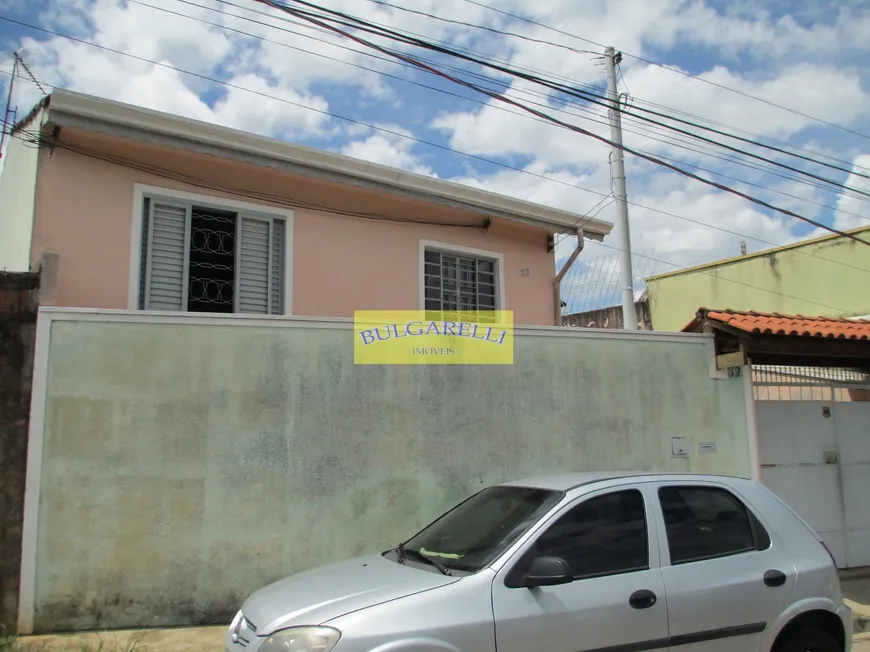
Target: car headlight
pixel 302 639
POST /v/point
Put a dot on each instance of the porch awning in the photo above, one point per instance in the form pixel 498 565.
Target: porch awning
pixel 774 339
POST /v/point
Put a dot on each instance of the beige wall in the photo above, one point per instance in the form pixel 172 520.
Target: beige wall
pixel 84 212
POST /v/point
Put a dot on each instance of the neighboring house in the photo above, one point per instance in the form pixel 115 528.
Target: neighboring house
pixel 824 276
pixel 610 317
pixel 145 210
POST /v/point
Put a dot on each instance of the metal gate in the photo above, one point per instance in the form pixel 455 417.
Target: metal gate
pixel 814 451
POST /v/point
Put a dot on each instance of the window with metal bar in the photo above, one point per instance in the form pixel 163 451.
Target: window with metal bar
pixel 459 283
pixel 206 259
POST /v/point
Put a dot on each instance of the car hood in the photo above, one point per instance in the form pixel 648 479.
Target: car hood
pixel 321 594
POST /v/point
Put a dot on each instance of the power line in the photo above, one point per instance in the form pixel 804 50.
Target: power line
pixel 583 108
pixel 492 30
pixel 655 63
pixel 379 30
pixel 404 33
pixel 574 83
pixel 672 69
pixel 761 187
pixel 748 133
pixel 595 98
pixel 408 137
pixel 651 111
pixel 684 144
pixel 568 126
pixel 308 26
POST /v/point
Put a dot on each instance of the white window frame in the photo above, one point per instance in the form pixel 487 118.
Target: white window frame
pixel 459 250
pixel 140 191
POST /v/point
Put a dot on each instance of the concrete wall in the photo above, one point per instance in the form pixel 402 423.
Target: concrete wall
pixel 17 194
pixel 18 299
pixel 85 208
pixel 815 278
pixel 188 461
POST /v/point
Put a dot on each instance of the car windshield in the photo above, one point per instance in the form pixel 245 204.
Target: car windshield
pixel 474 533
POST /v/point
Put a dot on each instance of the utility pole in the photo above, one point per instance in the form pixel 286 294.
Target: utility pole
pixel 7 126
pixel 617 176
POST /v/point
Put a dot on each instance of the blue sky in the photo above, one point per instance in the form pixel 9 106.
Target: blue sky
pixel 810 56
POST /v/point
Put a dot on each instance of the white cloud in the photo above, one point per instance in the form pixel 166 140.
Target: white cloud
pixel 500 130
pixel 388 149
pixel 262 114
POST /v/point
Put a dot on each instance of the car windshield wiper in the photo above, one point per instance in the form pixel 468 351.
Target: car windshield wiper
pixel 402 552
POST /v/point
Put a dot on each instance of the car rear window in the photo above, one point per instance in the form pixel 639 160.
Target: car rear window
pixel 708 522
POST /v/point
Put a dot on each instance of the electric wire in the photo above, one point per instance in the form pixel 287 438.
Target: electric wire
pixel 552 75
pixel 568 126
pixel 492 30
pixel 651 111
pixel 465 71
pixel 661 65
pixel 342 18
pixel 667 139
pixel 671 69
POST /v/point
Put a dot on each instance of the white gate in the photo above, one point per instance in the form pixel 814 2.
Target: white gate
pixel 814 451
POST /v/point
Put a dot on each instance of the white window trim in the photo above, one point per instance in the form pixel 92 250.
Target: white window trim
pixel 141 190
pixel 461 250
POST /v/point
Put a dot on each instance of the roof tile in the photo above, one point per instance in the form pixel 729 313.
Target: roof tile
pixel 792 325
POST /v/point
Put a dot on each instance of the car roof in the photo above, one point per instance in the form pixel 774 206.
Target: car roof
pixel 568 481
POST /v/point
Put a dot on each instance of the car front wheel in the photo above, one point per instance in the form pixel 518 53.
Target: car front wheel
pixel 809 639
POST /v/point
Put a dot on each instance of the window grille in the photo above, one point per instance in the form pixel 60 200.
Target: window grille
pixel 459 283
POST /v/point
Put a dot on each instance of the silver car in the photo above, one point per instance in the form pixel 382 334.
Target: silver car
pixel 604 562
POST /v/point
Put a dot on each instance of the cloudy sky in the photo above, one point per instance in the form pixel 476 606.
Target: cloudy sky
pixel 240 64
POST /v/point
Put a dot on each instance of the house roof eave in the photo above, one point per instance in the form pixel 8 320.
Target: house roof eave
pixel 114 118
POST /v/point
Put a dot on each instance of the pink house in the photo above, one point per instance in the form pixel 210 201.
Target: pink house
pixel 141 210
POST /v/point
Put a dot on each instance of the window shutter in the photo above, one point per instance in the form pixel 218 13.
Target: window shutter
pixel 253 265
pixel 276 275
pixel 166 288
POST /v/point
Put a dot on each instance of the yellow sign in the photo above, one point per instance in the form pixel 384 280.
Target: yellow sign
pixel 421 337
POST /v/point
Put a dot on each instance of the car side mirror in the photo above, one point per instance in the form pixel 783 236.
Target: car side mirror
pixel 549 571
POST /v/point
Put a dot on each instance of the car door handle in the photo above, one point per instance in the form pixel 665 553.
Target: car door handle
pixel 642 599
pixel 774 578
